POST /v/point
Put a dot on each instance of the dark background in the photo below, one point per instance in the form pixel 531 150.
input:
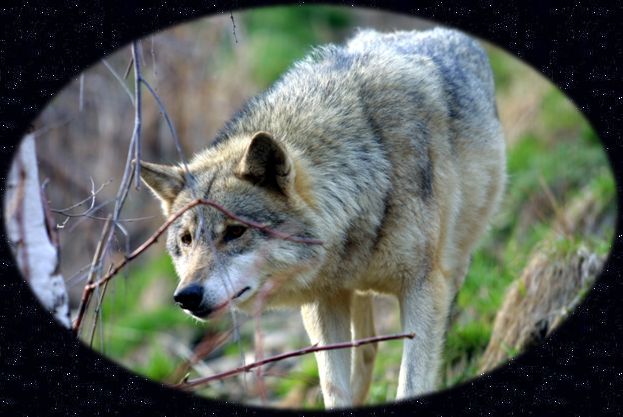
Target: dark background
pixel 45 371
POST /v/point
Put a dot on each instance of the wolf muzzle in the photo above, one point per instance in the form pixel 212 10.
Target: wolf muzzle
pixel 189 297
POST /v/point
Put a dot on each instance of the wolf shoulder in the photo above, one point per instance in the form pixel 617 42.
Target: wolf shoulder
pixel 391 82
pixel 455 54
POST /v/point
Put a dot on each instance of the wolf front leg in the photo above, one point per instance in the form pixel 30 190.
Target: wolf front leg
pixel 424 309
pixel 362 364
pixel 327 321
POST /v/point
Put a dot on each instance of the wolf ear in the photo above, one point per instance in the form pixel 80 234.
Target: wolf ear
pixel 267 163
pixel 164 181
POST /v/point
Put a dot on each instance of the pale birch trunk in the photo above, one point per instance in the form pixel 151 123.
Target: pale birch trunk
pixel 36 255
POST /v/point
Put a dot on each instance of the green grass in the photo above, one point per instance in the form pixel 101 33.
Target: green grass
pixel 158 365
pixel 569 162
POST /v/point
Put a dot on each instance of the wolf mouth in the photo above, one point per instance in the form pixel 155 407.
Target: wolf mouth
pixel 242 291
pixel 207 312
pixel 204 313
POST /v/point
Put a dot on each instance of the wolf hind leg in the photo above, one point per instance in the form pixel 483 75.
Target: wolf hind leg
pixel 327 321
pixel 424 309
pixel 362 365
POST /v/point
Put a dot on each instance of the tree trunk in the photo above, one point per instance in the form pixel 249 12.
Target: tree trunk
pixel 29 235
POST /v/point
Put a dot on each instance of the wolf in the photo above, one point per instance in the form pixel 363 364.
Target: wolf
pixel 389 150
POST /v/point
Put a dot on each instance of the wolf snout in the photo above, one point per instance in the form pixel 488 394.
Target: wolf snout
pixel 189 297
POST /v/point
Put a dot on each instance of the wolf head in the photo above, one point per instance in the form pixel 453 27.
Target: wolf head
pixel 220 261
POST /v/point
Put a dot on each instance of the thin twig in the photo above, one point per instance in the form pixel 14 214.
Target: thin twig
pixel 87 213
pixel 128 69
pixel 128 220
pixel 137 113
pixel 81 202
pixel 125 234
pixel 208 344
pixel 233 22
pixel 310 349
pixel 167 119
pixel 118 78
pixel 78 276
pixel 81 217
pixel 154 68
pixel 95 267
pixel 560 214
pixel 96 315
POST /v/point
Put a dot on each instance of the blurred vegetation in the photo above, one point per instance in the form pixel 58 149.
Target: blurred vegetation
pixel 555 154
pixel 272 52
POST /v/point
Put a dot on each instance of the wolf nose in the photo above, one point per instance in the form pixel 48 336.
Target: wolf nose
pixel 189 297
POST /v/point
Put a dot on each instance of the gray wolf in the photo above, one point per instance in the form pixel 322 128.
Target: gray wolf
pixel 389 150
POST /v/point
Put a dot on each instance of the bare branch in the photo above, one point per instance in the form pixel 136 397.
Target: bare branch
pixel 167 119
pixel 118 78
pixel 126 73
pixel 262 227
pixel 233 22
pixel 81 202
pixel 128 220
pixel 122 193
pixel 154 67
pixel 207 345
pixel 78 276
pixel 96 265
pixel 310 349
pixel 137 112
pixel 82 216
pixel 96 314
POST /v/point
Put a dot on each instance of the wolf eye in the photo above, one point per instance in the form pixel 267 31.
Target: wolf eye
pixel 186 238
pixel 233 232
